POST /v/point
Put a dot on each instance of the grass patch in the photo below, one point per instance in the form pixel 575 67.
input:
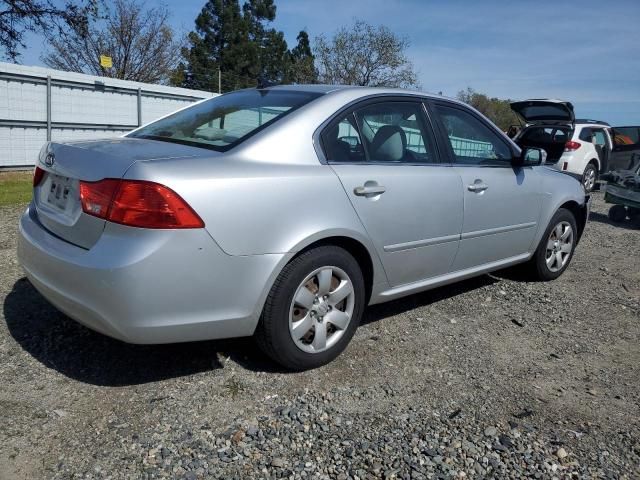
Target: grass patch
pixel 15 188
pixel 233 387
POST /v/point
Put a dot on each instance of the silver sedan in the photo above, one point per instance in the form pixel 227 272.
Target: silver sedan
pixel 283 212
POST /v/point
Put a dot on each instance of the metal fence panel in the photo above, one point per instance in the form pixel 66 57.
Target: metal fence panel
pixel 38 104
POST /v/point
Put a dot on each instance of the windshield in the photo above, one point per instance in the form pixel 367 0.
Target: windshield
pixel 223 122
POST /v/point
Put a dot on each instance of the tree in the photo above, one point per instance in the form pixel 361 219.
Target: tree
pixel 364 55
pixel 302 67
pixel 236 42
pixel 138 39
pixel 41 16
pixel 497 110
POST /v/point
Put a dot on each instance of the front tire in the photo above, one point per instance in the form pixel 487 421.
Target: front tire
pixel 555 251
pixel 313 309
pixel 589 177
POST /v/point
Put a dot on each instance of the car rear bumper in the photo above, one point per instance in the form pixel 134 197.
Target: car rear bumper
pixel 149 286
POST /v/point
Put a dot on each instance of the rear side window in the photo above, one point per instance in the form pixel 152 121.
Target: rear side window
pixel 385 132
pixel 223 122
pixel 472 142
pixel 341 141
pixel 586 135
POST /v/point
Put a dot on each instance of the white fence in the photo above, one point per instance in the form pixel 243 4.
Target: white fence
pixel 39 104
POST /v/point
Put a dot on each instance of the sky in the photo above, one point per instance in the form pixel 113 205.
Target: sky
pixel 586 52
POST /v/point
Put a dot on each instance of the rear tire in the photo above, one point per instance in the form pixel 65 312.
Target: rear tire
pixel 590 177
pixel 617 213
pixel 313 309
pixel 556 248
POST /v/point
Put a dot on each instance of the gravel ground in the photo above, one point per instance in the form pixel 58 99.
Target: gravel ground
pixel 493 377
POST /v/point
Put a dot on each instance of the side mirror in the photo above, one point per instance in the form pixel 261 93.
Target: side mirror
pixel 530 157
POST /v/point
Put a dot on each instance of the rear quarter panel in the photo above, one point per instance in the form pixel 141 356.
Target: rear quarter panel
pixel 254 208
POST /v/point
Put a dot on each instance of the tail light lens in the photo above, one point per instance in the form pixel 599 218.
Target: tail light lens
pixel 38 175
pixel 137 204
pixel 571 146
pixel 96 196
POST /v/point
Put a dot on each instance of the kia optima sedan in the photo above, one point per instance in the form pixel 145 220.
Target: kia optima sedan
pixel 282 212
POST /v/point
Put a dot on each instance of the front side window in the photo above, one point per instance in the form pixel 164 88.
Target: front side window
pixel 472 142
pixel 223 122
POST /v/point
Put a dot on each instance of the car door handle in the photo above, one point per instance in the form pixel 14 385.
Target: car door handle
pixel 477 187
pixel 369 190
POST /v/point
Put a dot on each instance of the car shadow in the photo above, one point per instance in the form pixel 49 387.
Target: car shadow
pixel 627 224
pixel 81 354
pixel 405 304
pixel 90 357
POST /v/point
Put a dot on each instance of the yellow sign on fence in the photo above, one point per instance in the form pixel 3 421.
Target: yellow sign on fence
pixel 105 61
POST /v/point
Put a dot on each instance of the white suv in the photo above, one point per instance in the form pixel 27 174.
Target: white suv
pixel 581 148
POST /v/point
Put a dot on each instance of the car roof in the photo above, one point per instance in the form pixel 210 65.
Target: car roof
pixel 586 121
pixel 356 90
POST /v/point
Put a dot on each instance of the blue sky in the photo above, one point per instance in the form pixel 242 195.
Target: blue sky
pixel 586 52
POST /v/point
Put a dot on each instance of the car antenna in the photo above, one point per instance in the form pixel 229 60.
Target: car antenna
pixel 264 83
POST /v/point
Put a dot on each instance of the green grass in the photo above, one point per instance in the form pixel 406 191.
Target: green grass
pixel 15 188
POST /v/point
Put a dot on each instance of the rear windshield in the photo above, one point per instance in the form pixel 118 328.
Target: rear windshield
pixel 223 122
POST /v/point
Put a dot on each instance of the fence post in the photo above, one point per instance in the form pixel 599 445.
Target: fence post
pixel 48 108
pixel 139 106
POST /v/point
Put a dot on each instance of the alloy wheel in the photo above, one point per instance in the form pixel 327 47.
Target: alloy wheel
pixel 589 180
pixel 559 246
pixel 321 309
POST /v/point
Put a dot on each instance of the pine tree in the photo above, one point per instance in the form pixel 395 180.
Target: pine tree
pixel 235 40
pixel 302 67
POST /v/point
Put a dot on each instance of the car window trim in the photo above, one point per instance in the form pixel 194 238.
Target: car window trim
pixel 351 107
pixel 431 105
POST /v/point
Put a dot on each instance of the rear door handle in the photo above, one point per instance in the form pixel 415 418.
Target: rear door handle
pixel 477 187
pixel 369 190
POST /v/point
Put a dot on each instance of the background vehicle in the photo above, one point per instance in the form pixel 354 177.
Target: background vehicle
pixel 283 212
pixel 581 147
pixel 623 191
pixel 626 148
pixel 578 147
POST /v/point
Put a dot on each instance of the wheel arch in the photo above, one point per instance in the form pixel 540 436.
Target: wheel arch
pixel 579 214
pixel 356 244
pixel 355 248
pixel 596 162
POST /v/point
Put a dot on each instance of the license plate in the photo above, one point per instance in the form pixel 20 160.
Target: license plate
pixel 60 189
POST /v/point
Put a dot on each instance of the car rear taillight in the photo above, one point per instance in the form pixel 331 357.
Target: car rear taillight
pixel 571 146
pixel 38 174
pixel 137 203
pixel 96 196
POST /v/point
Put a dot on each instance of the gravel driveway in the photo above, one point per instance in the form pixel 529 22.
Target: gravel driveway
pixel 493 377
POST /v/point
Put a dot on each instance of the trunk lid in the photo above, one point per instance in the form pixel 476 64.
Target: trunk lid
pixel 57 197
pixel 544 111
